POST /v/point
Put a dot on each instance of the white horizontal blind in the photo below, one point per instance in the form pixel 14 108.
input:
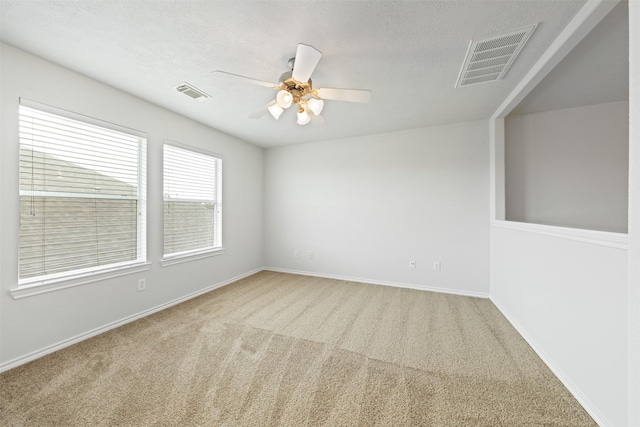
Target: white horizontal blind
pixel 192 201
pixel 81 202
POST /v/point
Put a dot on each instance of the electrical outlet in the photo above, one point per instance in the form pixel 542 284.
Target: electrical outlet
pixel 412 263
pixel 142 285
pixel 311 255
pixel 436 265
pixel 295 253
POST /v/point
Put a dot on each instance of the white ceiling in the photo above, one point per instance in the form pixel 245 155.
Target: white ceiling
pixel 408 53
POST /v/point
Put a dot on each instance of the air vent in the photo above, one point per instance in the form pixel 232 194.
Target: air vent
pixel 489 59
pixel 191 91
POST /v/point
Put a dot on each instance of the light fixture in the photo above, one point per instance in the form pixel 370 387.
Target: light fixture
pixel 303 117
pixel 315 105
pixel 294 88
pixel 284 98
pixel 275 110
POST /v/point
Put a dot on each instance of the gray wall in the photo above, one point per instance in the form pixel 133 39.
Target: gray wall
pixel 366 206
pixel 633 293
pixel 569 167
pixel 42 322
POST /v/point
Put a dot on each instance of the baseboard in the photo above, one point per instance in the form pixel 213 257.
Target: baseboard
pixel 97 331
pixel 381 282
pixel 600 419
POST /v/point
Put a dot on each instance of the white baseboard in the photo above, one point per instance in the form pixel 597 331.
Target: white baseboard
pixel 600 419
pixel 97 331
pixel 382 282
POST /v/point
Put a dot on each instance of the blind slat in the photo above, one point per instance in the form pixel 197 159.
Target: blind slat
pixel 78 202
pixel 192 218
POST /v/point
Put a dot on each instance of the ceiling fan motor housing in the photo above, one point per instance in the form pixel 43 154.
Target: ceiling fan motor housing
pixel 296 88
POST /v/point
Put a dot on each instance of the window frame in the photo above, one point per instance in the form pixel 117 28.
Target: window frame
pixel 200 253
pixel 48 282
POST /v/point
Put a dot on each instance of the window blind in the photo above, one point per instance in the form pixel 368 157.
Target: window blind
pixel 81 198
pixel 192 201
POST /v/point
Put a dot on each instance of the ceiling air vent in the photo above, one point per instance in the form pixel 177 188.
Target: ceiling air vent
pixel 489 59
pixel 191 91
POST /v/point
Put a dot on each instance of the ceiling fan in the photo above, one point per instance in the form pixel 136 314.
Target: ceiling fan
pixel 295 89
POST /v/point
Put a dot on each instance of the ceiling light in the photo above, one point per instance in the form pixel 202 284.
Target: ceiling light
pixel 275 110
pixel 315 105
pixel 303 117
pixel 295 87
pixel 284 99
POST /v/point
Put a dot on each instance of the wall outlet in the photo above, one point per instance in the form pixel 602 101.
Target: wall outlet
pixel 142 285
pixel 295 253
pixel 436 266
pixel 311 255
pixel 412 263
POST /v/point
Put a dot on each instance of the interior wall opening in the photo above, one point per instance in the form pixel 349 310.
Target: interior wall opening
pixel 566 143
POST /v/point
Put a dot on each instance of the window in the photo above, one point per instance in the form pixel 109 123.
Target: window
pixel 192 201
pixel 82 195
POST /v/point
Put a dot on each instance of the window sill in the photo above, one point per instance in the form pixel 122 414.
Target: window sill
pixel 601 238
pixel 51 285
pixel 177 259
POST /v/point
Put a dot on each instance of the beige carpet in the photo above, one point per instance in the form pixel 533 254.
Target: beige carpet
pixel 283 350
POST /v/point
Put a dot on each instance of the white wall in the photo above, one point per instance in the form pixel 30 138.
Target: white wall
pixel 365 206
pixel 567 290
pixel 568 298
pixel 569 167
pixel 39 323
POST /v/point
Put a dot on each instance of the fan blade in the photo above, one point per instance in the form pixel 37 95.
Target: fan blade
pixel 261 112
pixel 307 58
pixel 349 95
pixel 249 79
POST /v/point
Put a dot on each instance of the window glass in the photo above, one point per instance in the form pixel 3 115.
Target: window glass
pixel 192 201
pixel 81 202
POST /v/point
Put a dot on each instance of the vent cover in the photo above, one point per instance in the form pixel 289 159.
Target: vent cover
pixel 489 59
pixel 191 91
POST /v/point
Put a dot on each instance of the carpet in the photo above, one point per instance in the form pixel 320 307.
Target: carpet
pixel 277 349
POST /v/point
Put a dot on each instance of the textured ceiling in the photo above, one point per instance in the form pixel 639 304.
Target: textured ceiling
pixel 408 53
